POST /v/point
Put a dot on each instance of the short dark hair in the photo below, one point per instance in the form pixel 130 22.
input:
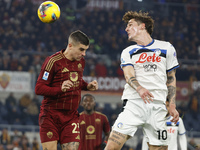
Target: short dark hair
pixel 79 36
pixel 88 95
pixel 140 17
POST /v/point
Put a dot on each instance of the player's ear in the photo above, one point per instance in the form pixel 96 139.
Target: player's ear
pixel 142 25
pixel 70 45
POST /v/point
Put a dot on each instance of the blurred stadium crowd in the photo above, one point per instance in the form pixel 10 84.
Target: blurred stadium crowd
pixel 25 42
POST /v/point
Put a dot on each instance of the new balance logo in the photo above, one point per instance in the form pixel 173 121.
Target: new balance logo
pixel 65 70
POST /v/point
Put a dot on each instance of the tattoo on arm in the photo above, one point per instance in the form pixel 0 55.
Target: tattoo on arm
pixel 115 141
pixel 133 82
pixel 171 85
pixel 70 146
pixel 116 137
pixel 119 134
pixel 171 94
pixel 170 77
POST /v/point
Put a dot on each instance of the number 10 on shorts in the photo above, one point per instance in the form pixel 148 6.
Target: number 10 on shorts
pixel 162 134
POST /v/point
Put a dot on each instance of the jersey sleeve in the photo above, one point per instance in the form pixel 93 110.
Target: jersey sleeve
pixel 106 126
pixel 181 128
pixel 182 135
pixel 172 61
pixel 84 85
pixel 43 85
pixel 144 143
pixel 183 141
pixel 125 58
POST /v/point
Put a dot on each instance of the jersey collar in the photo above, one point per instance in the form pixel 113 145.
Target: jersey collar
pixel 148 44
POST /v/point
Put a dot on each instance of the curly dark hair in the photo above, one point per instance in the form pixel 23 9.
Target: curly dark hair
pixel 140 17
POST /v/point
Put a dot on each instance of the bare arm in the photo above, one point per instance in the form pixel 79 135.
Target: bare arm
pixel 129 74
pixel 171 85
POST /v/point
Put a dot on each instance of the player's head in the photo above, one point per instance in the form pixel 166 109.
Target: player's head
pixel 143 20
pixel 88 102
pixel 79 37
pixel 78 43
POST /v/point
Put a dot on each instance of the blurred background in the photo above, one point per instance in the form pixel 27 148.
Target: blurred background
pixel 25 42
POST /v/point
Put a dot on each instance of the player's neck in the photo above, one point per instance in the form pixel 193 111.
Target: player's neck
pixel 67 55
pixel 144 40
pixel 89 112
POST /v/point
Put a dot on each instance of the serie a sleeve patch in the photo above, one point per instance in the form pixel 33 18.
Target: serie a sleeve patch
pixel 45 75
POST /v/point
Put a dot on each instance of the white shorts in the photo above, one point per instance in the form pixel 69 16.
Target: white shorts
pixel 152 117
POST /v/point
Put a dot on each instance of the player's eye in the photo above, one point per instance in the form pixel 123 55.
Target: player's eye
pixel 81 49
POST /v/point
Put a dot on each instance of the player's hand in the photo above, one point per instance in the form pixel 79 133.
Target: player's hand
pixel 66 85
pixel 103 145
pixel 145 94
pixel 174 113
pixel 92 86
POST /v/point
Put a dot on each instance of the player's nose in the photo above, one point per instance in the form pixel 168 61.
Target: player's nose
pixel 83 53
pixel 126 29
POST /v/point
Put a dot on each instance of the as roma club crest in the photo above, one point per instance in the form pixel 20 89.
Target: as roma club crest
pixel 73 76
pixel 90 129
pixel 4 80
pixel 50 134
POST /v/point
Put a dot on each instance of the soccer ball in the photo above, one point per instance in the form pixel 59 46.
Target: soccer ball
pixel 48 12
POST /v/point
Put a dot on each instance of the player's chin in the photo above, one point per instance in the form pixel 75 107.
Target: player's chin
pixel 129 38
pixel 79 58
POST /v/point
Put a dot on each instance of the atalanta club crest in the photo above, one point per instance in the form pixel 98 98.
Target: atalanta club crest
pixel 157 52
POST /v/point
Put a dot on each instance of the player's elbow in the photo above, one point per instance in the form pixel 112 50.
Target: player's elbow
pixel 37 89
pixel 126 78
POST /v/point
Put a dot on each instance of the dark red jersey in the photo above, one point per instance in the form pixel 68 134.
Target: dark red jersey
pixel 55 70
pixel 91 129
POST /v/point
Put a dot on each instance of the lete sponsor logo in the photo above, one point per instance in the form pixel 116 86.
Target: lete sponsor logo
pixel 143 58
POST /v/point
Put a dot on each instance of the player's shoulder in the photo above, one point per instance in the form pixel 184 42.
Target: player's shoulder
pixel 162 43
pixel 130 47
pixel 81 113
pixel 100 114
pixel 56 56
pixel 51 60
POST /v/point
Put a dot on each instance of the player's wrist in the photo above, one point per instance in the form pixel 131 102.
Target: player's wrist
pixel 103 145
pixel 138 88
pixel 172 105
